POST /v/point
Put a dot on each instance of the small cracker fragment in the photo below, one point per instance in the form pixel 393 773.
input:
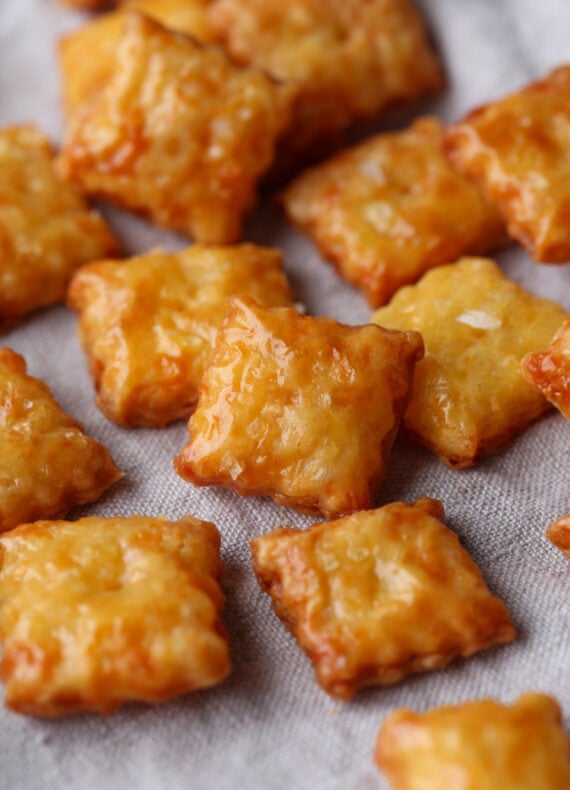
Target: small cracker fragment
pixel 348 59
pixel 47 463
pixel 391 208
pixel 84 77
pixel 518 150
pixel 378 595
pixel 148 325
pixel 470 398
pixel 559 534
pixel 46 229
pixel 179 133
pixel 301 409
pixel 548 370
pixel 479 745
pixel 98 612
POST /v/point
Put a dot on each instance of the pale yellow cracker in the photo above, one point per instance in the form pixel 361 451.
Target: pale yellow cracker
pixel 148 325
pixel 549 370
pixel 302 409
pixel 479 745
pixel 179 133
pixel 559 534
pixel 47 463
pixel 46 228
pixel 391 208
pixel 98 612
pixel 83 77
pixel 518 150
pixel 378 595
pixel 469 397
pixel 348 58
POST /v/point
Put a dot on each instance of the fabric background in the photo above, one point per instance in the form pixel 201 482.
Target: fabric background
pixel 269 725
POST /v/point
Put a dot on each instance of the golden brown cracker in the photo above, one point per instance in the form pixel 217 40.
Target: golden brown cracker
pixel 347 58
pixel 148 325
pixel 378 595
pixel 469 396
pixel 516 149
pixel 302 409
pixel 46 229
pixel 479 745
pixel 47 463
pixel 99 612
pixel 549 370
pixel 83 77
pixel 179 133
pixel 391 208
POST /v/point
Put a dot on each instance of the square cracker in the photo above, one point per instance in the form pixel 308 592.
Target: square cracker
pixel 98 612
pixel 302 409
pixel 517 150
pixel 148 325
pixel 84 77
pixel 391 208
pixel 179 133
pixel 378 595
pixel 479 745
pixel 46 229
pixel 559 534
pixel 47 463
pixel 469 396
pixel 347 58
pixel 549 370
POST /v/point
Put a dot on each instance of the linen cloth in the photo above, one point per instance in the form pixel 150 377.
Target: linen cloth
pixel 269 725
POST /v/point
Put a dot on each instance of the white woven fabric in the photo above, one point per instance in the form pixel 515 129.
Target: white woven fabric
pixel 269 726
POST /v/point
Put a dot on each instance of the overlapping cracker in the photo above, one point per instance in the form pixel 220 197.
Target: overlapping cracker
pixel 179 133
pixel 516 149
pixel 148 325
pixel 302 409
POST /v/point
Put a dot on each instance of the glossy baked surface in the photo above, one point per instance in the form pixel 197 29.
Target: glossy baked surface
pixel 477 745
pixel 179 133
pixel 391 208
pixel 98 612
pixel 302 409
pixel 517 150
pixel 469 394
pixel 378 595
pixel 47 463
pixel 83 77
pixel 349 59
pixel 549 370
pixel 148 325
pixel 46 228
